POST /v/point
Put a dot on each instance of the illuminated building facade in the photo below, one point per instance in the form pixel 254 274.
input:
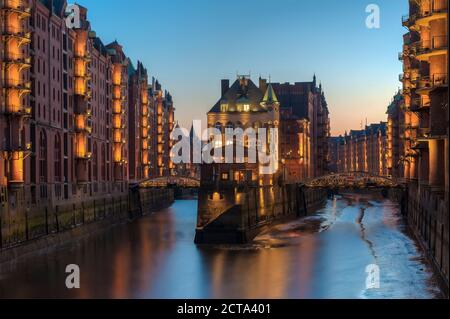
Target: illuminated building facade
pixel 305 125
pixel 139 123
pixel 243 105
pixel 67 102
pixel 364 150
pixel 161 105
pixel 15 89
pixel 237 197
pixel 425 85
pixel 425 135
pixel 395 137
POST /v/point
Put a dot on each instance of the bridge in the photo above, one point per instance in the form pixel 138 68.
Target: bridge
pixel 351 180
pixel 170 182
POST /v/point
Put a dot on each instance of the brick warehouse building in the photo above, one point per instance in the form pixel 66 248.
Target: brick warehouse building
pixel 424 125
pixel 305 127
pixel 362 150
pixel 70 108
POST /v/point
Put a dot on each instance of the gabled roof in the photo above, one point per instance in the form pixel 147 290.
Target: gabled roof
pixel 238 93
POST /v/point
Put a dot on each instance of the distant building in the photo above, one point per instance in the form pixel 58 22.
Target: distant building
pixel 362 150
pixel 305 104
pixel 395 137
pixel 333 150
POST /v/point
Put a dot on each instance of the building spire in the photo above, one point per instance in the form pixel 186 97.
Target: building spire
pixel 270 97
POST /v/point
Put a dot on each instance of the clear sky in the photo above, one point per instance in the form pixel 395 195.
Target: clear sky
pixel 189 45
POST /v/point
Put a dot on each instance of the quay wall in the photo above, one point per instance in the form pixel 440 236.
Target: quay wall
pixel 427 215
pixel 43 226
pixel 236 217
pixel 426 212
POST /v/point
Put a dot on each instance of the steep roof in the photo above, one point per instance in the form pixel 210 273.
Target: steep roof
pixel 55 6
pixel 270 96
pixel 249 93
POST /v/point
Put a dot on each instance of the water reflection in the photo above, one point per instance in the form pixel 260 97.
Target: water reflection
pixel 322 256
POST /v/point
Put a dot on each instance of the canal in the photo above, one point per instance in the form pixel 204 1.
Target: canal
pixel 322 256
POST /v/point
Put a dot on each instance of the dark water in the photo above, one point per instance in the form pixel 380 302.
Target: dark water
pixel 322 256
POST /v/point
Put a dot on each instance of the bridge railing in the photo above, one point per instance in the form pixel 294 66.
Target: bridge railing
pixel 164 182
pixel 351 179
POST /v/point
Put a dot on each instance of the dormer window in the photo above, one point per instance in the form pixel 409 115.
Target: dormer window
pixel 243 107
pixel 224 107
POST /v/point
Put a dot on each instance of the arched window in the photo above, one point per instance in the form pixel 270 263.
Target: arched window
pixel 218 126
pixel 95 161
pixel 229 125
pixel 57 154
pixel 43 157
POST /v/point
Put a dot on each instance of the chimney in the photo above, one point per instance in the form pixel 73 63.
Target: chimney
pixel 225 86
pixel 263 85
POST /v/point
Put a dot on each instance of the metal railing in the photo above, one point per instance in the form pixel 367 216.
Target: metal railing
pixel 439 79
pixel 16 58
pixel 418 104
pixel 426 46
pixel 17 5
pixel 435 80
pixel 436 6
pixel 9 30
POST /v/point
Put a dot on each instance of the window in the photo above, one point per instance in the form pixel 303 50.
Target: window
pixel 225 176
pixel 43 158
pixel 57 159
pixel 95 162
pixel 102 163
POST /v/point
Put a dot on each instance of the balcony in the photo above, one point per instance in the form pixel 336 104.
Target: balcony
pixel 409 20
pixel 17 33
pixel 423 50
pixel 84 157
pixel 425 83
pixel 24 88
pixel 419 105
pixel 16 6
pixel 16 110
pixel 13 58
pixel 437 10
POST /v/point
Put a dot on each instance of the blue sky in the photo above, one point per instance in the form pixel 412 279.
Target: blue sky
pixel 191 44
